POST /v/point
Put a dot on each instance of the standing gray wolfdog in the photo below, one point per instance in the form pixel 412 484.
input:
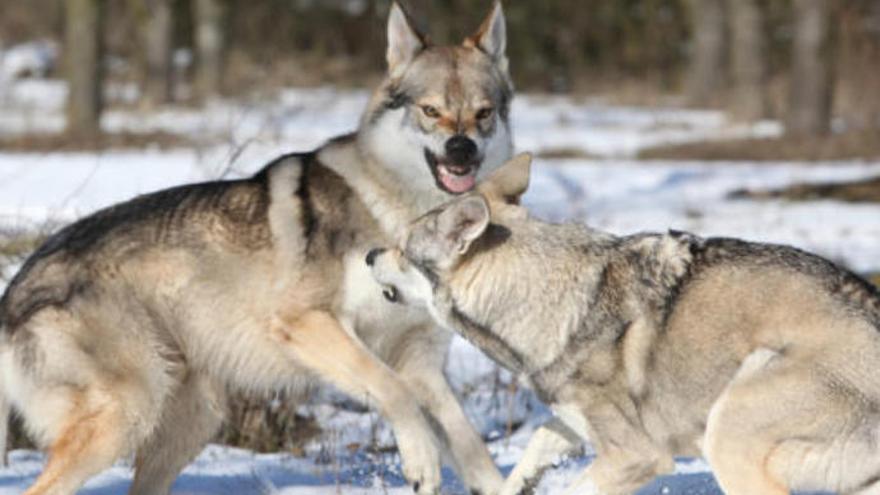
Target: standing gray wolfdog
pixel 121 333
pixel 762 358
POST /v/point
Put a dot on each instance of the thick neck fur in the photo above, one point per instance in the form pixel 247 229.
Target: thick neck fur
pixel 391 202
pixel 523 281
pixel 548 285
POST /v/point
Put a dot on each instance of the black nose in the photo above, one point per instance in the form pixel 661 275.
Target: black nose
pixel 371 256
pixel 460 149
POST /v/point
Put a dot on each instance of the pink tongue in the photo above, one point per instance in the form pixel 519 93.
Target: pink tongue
pixel 458 183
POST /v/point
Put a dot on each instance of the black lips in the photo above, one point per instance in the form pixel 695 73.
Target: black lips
pixel 433 163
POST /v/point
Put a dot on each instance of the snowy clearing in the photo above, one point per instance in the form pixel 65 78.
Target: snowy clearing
pixel 613 192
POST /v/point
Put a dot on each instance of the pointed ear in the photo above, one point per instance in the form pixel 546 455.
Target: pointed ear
pixel 491 37
pixel 510 181
pixel 463 221
pixel 404 41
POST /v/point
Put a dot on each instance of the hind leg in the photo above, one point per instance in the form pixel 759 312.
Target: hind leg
pixel 741 464
pixel 191 417
pixel 87 391
pixel 766 426
pixel 95 434
pixel 788 423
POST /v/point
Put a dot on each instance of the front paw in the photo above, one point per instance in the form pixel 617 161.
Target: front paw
pixel 490 483
pixel 421 463
pixel 519 487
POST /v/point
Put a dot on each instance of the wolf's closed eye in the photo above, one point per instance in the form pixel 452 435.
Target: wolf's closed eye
pixel 391 294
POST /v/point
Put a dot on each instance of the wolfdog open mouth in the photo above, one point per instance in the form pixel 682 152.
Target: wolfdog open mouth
pixel 453 178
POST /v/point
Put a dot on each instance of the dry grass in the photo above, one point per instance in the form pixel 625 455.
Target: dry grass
pixel 15 247
pixel 564 154
pixel 859 191
pixel 44 143
pixel 267 425
pixel 847 146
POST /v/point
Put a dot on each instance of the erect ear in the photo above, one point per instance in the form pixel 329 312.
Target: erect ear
pixel 491 37
pixel 510 181
pixel 463 221
pixel 404 40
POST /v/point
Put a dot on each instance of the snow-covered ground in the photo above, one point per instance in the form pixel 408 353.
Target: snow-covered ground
pixel 612 191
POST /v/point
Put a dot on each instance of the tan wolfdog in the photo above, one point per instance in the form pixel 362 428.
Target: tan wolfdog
pixel 763 358
pixel 121 333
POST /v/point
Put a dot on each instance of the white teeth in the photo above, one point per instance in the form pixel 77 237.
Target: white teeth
pixel 445 171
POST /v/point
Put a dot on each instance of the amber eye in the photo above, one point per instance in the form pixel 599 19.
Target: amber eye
pixel 430 111
pixel 485 113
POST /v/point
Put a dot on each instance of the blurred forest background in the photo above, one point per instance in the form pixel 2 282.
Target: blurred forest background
pixel 813 65
pixel 810 63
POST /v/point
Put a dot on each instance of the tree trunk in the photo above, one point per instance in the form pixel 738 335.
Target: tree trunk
pixel 706 73
pixel 209 18
pixel 812 82
pixel 749 59
pixel 83 51
pixel 158 31
pixel 875 21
